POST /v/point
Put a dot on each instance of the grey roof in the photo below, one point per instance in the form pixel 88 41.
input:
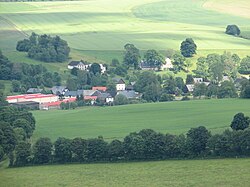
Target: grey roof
pixel 118 81
pixel 74 63
pixel 130 94
pixel 91 92
pixel 129 87
pixel 34 90
pixel 57 90
pixel 103 95
pixel 145 65
pixel 73 93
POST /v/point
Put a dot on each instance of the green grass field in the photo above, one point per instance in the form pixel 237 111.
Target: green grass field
pixel 105 26
pixel 117 122
pixel 195 173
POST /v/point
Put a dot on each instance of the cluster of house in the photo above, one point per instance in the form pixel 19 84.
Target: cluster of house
pixel 35 100
pixel 190 87
pixel 82 65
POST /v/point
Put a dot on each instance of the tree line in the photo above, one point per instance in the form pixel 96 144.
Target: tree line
pixel 25 76
pixel 132 56
pixel 44 47
pixel 143 145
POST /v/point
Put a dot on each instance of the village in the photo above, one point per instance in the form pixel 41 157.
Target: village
pixel 36 100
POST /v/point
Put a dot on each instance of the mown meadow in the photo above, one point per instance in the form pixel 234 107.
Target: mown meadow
pixel 118 121
pixel 94 29
pixel 196 173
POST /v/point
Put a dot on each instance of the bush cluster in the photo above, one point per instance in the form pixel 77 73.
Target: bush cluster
pixel 44 48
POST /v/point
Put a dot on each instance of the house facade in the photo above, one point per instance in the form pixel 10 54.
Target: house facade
pixel 120 84
pixel 81 65
pixel 167 65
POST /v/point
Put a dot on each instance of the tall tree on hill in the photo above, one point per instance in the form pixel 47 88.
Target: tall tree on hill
pixel 188 47
pixel 132 56
pixel 233 30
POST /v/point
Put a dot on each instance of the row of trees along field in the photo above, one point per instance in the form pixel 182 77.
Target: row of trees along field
pixel 144 145
pixel 153 58
pixel 45 48
pixel 25 76
pixel 212 67
pixel 16 127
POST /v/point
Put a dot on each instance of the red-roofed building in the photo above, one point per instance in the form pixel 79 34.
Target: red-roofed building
pixel 100 88
pixel 92 99
pixel 40 98
pixel 55 105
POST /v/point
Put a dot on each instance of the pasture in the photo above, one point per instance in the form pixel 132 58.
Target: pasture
pixel 118 121
pixel 102 27
pixel 196 173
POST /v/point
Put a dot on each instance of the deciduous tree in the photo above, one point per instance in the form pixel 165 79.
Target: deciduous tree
pixel 188 47
pixel 132 56
pixel 240 122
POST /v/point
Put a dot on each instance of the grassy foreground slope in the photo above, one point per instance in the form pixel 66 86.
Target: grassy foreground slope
pixel 118 121
pixel 101 25
pixel 195 173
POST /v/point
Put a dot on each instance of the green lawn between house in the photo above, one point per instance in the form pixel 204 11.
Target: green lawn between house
pixel 174 173
pixel 118 121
